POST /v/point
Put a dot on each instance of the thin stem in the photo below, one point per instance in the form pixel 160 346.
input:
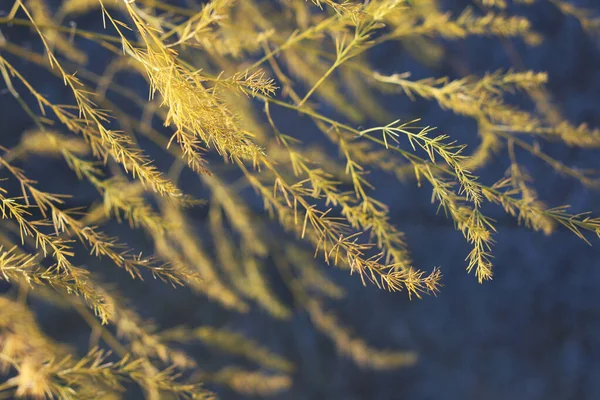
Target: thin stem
pixel 79 32
pixel 108 337
pixel 318 83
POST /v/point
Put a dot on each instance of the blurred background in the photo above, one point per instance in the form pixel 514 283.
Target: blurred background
pixel 530 333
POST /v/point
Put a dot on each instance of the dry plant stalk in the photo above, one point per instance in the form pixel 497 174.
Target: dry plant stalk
pixel 217 76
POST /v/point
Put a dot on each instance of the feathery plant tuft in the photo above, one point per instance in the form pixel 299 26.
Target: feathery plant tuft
pixel 217 78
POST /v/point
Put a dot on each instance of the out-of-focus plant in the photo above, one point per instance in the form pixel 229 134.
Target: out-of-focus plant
pixel 216 72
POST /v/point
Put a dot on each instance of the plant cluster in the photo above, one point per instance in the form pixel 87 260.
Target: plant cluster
pixel 219 74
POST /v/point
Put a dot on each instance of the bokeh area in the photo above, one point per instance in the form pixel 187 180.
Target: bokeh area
pixel 533 332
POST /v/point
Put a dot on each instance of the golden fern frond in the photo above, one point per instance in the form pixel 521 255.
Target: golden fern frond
pixel 354 348
pixel 249 383
pixel 231 342
pixel 239 87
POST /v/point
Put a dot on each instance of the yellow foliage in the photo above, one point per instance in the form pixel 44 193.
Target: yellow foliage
pixel 215 76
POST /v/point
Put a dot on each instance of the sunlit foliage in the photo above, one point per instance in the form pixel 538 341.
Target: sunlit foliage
pixel 217 75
